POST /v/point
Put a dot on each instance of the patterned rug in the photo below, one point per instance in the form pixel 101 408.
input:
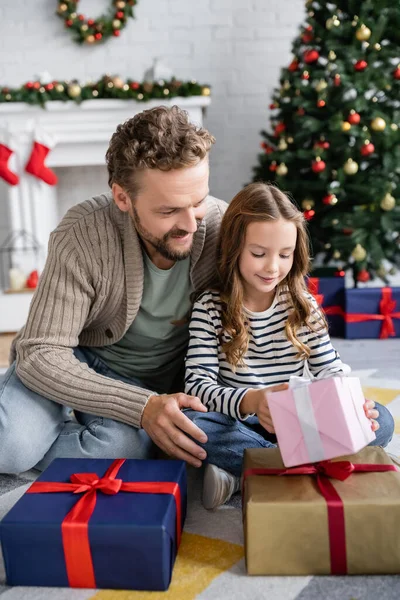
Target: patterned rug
pixel 210 564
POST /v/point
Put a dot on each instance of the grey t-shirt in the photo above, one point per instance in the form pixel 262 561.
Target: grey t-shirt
pixel 154 347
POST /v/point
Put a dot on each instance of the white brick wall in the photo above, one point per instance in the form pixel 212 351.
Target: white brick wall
pixel 236 46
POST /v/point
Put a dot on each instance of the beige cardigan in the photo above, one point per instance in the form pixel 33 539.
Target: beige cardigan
pixel 89 294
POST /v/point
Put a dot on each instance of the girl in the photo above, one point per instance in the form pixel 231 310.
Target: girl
pixel 256 327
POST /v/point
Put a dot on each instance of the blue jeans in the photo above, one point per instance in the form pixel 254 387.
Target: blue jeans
pixel 229 438
pixel 34 430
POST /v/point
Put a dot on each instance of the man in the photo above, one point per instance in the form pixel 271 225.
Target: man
pixel 107 329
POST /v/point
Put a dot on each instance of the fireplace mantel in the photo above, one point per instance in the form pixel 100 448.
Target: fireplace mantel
pixel 81 133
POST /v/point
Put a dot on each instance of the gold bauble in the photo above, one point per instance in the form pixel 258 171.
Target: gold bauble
pixel 165 91
pixel 74 90
pixel 282 169
pixel 331 55
pixel 335 221
pixel 90 39
pixel 84 27
pixel 394 127
pixel 126 87
pixel 374 99
pixel 350 167
pixel 290 140
pixel 95 93
pixel 120 4
pixel 205 91
pixel 282 144
pixel 388 202
pixel 377 47
pixel 321 85
pixel 307 204
pixel 359 253
pixel 59 88
pixel 327 246
pixel 286 85
pixel 118 82
pixel 346 126
pixel 140 96
pixel 336 254
pixel 116 24
pixel 378 124
pixel 329 23
pixel 363 33
pixel 381 271
pixel 333 200
pixel 62 8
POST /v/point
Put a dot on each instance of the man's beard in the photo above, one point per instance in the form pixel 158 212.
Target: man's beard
pixel 161 244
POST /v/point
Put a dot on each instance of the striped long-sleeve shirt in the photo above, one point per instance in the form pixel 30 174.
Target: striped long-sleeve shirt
pixel 270 358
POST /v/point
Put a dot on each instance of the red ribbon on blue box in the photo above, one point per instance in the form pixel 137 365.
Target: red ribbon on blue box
pixel 77 553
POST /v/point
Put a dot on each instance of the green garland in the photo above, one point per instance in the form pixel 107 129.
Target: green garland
pixel 93 31
pixel 37 93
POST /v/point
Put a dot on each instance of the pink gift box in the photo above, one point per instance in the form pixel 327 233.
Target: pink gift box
pixel 320 420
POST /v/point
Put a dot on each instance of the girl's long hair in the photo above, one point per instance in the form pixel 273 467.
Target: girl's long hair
pixel 261 202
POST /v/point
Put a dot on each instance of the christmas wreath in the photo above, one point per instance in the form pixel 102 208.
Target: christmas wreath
pixel 92 31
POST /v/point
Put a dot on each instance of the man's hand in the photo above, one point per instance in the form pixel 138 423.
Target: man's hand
pixel 372 413
pixel 256 401
pixel 167 425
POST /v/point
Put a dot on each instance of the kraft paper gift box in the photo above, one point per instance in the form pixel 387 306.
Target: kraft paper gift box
pixel 313 524
pixel 320 420
pixel 123 527
pixel 372 313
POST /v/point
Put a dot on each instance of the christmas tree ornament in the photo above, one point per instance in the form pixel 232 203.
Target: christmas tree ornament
pixel 294 65
pixel 378 124
pixel 322 84
pixel 307 204
pixel 282 144
pixel 266 147
pixel 290 140
pixel 394 127
pixel 381 272
pixel 311 56
pixel 330 200
pixel 350 167
pixel 388 202
pixel 272 166
pixel 286 85
pixel 361 65
pixel 309 214
pixel 279 128
pixel 367 148
pixel 335 222
pixel 374 99
pixel 206 91
pixel 337 80
pixel 32 280
pixel 363 276
pixel 6 151
pixel 321 103
pixel 346 126
pixel 74 90
pixel 305 75
pixel 354 118
pixel 396 72
pixel 340 273
pixel 327 246
pixel 363 33
pixel 392 271
pixel 359 253
pixel 307 37
pixel 318 165
pixel 282 170
pixel 331 55
pixel 377 47
pixel 336 255
pixel 118 82
pixel 273 105
pixel 42 144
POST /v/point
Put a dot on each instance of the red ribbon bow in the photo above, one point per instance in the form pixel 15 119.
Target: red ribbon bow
pixel 313 288
pixel 74 528
pixel 340 470
pixel 386 307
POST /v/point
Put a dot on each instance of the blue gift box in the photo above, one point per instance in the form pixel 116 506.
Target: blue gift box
pixel 132 536
pixel 366 301
pixel 332 289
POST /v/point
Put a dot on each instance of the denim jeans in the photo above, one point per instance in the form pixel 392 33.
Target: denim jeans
pixel 228 438
pixel 34 430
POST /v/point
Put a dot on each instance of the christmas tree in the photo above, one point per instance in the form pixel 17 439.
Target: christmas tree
pixel 335 139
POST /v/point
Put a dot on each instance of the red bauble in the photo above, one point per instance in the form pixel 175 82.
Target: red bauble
pixel 98 36
pixel 347 231
pixel 318 166
pixel 49 87
pixel 309 214
pixel 363 276
pixel 116 32
pixel 396 73
pixel 306 38
pixel 354 118
pixel 294 65
pixel 267 148
pixel 81 17
pixel 32 280
pixel 300 111
pixel 367 149
pixel 90 22
pixel 36 85
pixel 322 144
pixel 273 106
pixel 119 15
pixel 336 80
pixel 311 56
pixel 135 85
pixel 69 23
pixel 272 166
pixel 305 75
pixel 328 198
pixel 340 274
pixel 321 103
pixel 280 127
pixel 29 85
pixel 361 65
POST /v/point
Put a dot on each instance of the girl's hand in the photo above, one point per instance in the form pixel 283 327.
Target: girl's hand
pixel 256 401
pixel 371 413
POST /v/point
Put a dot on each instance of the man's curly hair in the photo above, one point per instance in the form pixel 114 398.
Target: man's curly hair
pixel 159 138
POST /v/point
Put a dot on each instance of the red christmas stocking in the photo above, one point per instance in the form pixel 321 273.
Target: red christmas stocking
pixel 5 153
pixel 35 165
